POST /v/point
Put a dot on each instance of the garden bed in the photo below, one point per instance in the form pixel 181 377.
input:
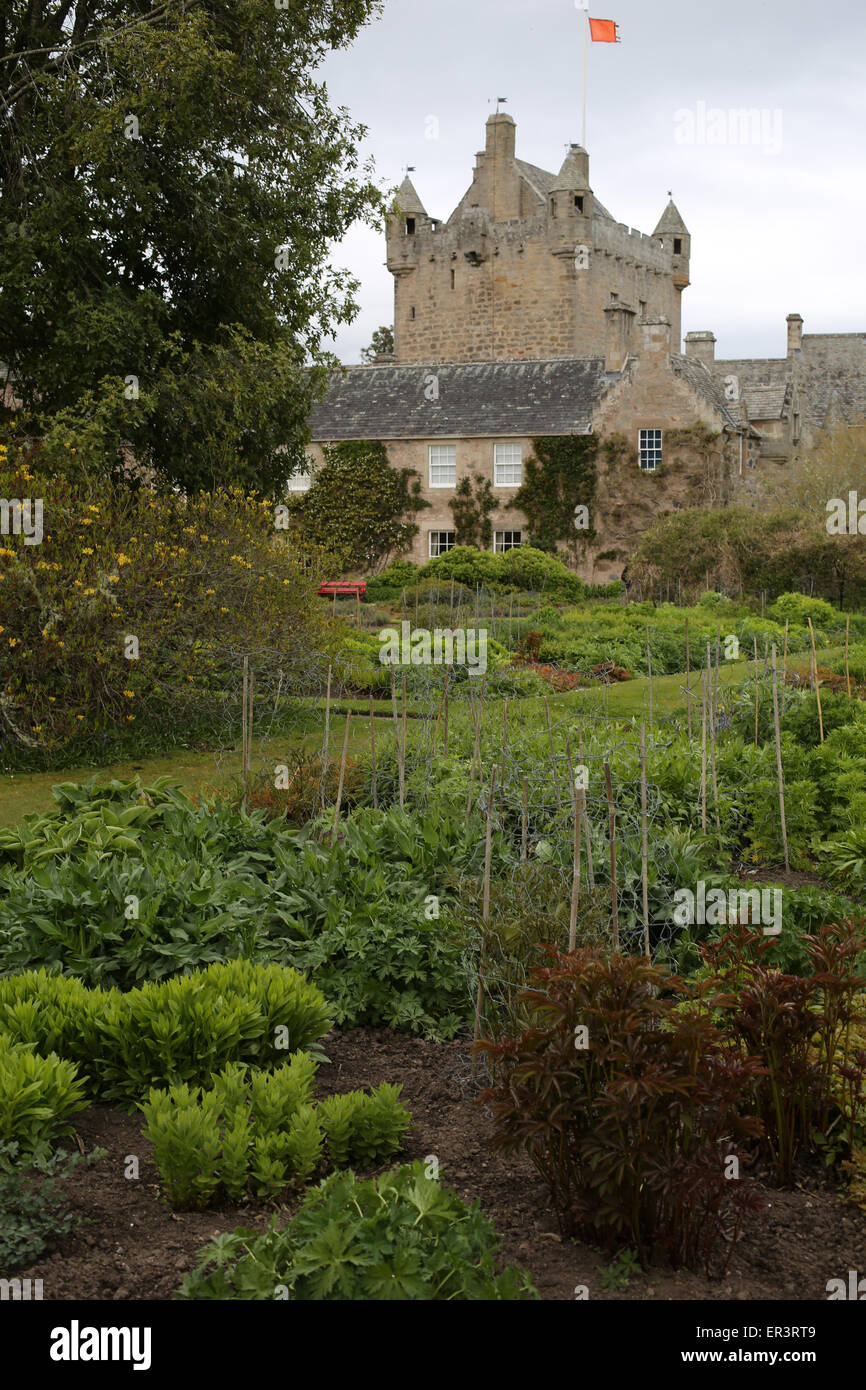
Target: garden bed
pixel 139 1249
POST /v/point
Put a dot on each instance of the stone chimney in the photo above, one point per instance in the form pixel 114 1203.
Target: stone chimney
pixel 795 333
pixel 655 336
pixel 619 321
pixel 496 178
pixel 701 345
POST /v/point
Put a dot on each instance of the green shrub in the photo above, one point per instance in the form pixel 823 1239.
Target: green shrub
pixel 176 571
pixel 261 1132
pixel 38 1095
pixel 180 1030
pixel 799 608
pixel 400 1236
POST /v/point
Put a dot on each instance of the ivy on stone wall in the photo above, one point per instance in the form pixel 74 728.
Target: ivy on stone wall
pixel 471 510
pixel 560 476
pixel 359 509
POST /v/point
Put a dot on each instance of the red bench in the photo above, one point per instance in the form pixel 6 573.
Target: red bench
pixel 341 589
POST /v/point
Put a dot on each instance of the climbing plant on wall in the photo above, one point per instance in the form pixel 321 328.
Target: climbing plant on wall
pixel 559 477
pixel 472 509
pixel 359 509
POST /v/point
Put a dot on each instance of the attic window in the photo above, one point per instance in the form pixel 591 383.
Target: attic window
pixel 553 207
pixel 678 245
pixel 578 201
pixel 410 226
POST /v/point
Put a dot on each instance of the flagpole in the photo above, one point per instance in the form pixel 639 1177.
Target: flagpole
pixel 585 66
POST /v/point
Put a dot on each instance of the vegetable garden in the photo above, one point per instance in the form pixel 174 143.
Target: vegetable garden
pixel 581 935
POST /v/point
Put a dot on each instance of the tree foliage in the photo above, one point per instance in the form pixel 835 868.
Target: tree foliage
pixel 360 510
pixel 471 508
pixel 172 178
pixel 382 345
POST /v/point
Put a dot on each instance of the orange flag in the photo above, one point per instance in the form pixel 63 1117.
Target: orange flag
pixel 604 31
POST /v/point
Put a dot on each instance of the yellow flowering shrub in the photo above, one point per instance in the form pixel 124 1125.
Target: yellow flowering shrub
pixel 68 612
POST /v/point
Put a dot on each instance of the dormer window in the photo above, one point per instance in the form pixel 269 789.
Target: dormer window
pixel 410 226
pixel 678 246
pixel 578 201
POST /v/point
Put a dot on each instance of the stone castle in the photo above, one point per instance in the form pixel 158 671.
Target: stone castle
pixel 532 312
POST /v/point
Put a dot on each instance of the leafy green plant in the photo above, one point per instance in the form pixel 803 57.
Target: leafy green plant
pixel 620 1272
pixel 180 1030
pixel 262 1132
pixel 400 1236
pixel 34 1210
pixel 38 1095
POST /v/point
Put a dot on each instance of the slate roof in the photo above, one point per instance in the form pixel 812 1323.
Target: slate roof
pixel 702 380
pixel 671 220
pixel 830 376
pixel 476 400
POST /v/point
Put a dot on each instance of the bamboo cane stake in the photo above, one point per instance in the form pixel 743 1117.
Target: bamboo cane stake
pixel 644 855
pixel 403 749
pixel 779 762
pixel 847 672
pixel 394 717
pixel 611 816
pixel 485 912
pixel 552 754
pixel 711 720
pixel 373 753
pixel 325 744
pixel 785 668
pixel 579 799
pixel 250 708
pixel 718 653
pixel 244 724
pixel 504 748
pixel 688 681
pixel 649 667
pixel 703 750
pixel 590 870
pixel 815 675
pixel 342 776
pixel 756 691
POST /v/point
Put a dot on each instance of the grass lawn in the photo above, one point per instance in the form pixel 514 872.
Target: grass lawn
pixel 21 793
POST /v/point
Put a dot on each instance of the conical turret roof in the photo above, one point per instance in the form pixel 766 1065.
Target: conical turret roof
pixel 671 221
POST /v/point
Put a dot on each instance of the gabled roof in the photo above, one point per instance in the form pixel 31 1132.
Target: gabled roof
pixel 475 400
pixel 539 179
pixel 702 381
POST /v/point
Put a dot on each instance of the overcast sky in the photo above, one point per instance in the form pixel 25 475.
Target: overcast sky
pixel 778 223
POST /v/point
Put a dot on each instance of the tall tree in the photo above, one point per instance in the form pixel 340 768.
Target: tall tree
pixel 172 178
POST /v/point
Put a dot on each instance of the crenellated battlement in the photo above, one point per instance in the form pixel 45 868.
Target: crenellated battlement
pixel 526 264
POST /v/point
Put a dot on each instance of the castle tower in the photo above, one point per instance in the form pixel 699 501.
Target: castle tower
pixel 526 265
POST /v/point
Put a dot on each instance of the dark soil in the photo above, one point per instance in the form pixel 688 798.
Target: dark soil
pixel 138 1248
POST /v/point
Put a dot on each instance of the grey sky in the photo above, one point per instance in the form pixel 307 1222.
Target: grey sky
pixel 773 230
